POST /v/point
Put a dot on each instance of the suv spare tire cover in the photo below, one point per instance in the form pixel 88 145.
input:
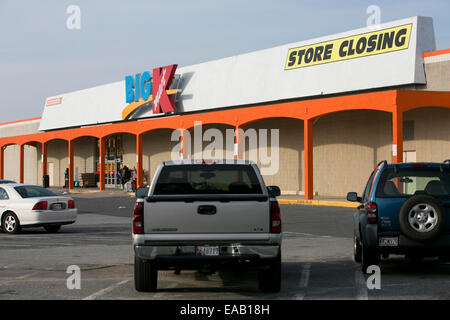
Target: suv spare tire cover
pixel 422 218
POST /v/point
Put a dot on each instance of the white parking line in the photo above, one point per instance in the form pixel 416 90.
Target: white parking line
pixel 361 286
pixel 304 280
pixel 305 234
pixel 105 291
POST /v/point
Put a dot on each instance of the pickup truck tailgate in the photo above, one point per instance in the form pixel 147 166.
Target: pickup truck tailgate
pixel 200 217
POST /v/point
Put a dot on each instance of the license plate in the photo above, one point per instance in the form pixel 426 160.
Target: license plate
pixel 57 206
pixel 207 251
pixel 388 241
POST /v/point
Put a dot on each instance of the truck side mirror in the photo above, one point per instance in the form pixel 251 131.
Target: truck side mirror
pixel 274 191
pixel 353 197
pixel 141 193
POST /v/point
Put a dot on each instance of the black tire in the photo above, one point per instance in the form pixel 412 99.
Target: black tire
pixel 145 275
pixel 269 280
pixel 416 204
pixel 52 229
pixel 357 249
pixel 10 223
pixel 369 257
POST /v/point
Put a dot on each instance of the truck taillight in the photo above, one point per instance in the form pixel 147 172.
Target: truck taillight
pixel 372 212
pixel 138 219
pixel 42 205
pixel 71 204
pixel 275 217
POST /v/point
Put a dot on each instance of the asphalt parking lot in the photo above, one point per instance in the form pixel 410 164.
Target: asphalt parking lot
pixel 317 261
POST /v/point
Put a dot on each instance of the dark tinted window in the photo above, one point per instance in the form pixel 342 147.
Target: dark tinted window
pixel 207 179
pixel 411 181
pixel 367 188
pixel 33 191
pixel 3 194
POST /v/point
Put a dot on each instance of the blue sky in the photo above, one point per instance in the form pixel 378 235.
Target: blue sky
pixel 41 57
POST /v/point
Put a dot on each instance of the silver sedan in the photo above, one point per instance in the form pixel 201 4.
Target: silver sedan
pixel 23 205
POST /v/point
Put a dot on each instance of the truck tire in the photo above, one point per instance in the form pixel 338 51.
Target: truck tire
pixel 369 257
pixel 269 280
pixel 356 249
pixel 422 218
pixel 145 275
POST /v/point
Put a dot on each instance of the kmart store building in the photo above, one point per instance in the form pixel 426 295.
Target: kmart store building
pixel 341 104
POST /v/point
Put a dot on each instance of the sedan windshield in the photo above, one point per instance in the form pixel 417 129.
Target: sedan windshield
pixel 33 191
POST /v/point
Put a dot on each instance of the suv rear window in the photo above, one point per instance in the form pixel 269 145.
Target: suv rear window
pixel 207 179
pixel 411 181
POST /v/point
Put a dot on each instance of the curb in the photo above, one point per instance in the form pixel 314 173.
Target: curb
pixel 319 203
pixel 84 191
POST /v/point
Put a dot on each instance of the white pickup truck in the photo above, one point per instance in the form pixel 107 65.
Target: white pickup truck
pixel 207 215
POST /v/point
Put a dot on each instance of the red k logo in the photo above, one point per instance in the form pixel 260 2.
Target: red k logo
pixel 162 79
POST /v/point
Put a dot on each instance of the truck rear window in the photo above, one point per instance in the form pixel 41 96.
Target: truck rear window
pixel 410 181
pixel 207 179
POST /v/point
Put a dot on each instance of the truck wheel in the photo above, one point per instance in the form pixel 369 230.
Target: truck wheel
pixel 269 280
pixel 422 218
pixel 11 223
pixel 369 257
pixel 145 275
pixel 356 249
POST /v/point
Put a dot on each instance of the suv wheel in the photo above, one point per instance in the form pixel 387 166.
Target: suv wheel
pixel 369 257
pixel 269 280
pixel 145 275
pixel 356 249
pixel 422 218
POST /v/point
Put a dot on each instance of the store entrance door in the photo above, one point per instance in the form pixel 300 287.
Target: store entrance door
pixel 111 174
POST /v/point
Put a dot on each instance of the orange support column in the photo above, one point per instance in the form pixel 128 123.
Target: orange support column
pixel 21 166
pixel 44 158
pixel 181 144
pixel 397 136
pixel 238 136
pixel 102 151
pixel 2 162
pixel 308 152
pixel 71 177
pixel 139 181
